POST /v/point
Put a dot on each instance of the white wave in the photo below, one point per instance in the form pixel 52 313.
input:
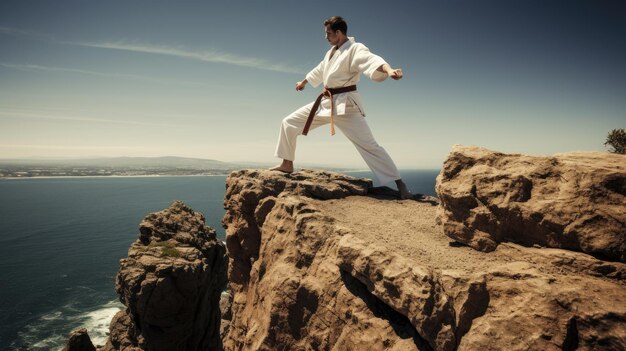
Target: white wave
pixel 97 322
pixel 53 316
pixel 50 330
pixel 49 343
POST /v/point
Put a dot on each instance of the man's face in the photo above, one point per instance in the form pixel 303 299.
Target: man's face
pixel 333 37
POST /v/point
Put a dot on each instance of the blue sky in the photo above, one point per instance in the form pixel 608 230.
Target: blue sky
pixel 214 79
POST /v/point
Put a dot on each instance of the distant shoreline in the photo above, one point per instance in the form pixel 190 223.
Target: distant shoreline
pixel 117 176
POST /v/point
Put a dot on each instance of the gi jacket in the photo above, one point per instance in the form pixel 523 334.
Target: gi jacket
pixel 344 69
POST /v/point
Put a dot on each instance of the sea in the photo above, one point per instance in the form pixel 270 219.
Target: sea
pixel 61 240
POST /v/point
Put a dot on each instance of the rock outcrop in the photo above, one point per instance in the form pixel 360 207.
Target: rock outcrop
pixel 171 284
pixel 288 292
pixel 574 201
pixel 79 341
pixel 318 264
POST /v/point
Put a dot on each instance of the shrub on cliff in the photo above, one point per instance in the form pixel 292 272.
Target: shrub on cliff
pixel 167 248
pixel 617 141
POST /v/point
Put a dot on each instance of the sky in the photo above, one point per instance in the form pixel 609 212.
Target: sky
pixel 213 80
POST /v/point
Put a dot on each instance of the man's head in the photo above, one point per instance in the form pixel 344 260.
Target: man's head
pixel 336 30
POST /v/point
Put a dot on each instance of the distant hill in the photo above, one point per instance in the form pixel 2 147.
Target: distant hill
pixel 124 166
pixel 164 162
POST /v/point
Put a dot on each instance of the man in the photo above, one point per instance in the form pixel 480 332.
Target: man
pixel 341 104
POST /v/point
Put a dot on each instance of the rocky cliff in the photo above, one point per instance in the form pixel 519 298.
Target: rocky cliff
pixel 171 284
pixel 322 261
pixel 318 264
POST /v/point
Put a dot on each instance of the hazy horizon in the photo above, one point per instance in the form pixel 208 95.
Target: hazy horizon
pixel 214 80
pixel 58 161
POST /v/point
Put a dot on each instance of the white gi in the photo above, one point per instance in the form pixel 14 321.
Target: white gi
pixel 343 69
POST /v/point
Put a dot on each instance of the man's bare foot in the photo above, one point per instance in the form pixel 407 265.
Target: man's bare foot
pixel 404 191
pixel 285 167
pixel 281 169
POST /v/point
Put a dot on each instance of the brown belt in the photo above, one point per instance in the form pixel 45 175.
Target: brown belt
pixel 327 92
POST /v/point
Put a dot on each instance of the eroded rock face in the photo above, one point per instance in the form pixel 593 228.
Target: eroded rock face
pixel 288 292
pixel 316 273
pixel 413 291
pixel 245 210
pixel 171 284
pixel 574 201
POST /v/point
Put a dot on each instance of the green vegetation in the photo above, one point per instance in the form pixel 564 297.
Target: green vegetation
pixel 170 251
pixel 167 248
pixel 617 141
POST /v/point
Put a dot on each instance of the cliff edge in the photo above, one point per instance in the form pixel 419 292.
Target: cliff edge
pixel 319 263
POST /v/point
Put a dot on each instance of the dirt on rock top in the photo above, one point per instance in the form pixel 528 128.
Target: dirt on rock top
pixel 410 229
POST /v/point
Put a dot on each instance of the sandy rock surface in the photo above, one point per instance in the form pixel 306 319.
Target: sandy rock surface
pixel 551 298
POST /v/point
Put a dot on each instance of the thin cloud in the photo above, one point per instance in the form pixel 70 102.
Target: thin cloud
pixel 9 30
pixel 205 56
pixel 32 68
pixel 82 119
pixel 29 33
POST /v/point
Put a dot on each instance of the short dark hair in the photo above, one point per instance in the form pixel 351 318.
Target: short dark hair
pixel 337 23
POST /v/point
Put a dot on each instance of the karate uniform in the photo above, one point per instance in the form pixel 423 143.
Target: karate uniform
pixel 343 69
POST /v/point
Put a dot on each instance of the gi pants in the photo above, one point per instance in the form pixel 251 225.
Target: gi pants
pixel 353 126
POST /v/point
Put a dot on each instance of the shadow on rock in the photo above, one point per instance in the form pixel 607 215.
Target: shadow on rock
pixel 401 324
pixel 387 193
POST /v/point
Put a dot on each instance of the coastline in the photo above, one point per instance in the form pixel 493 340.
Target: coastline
pixel 117 176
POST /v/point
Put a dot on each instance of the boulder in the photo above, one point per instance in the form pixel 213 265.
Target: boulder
pixel 574 201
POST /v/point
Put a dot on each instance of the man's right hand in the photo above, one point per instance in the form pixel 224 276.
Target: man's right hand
pixel 300 85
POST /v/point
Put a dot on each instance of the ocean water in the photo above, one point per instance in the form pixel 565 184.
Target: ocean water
pixel 61 240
